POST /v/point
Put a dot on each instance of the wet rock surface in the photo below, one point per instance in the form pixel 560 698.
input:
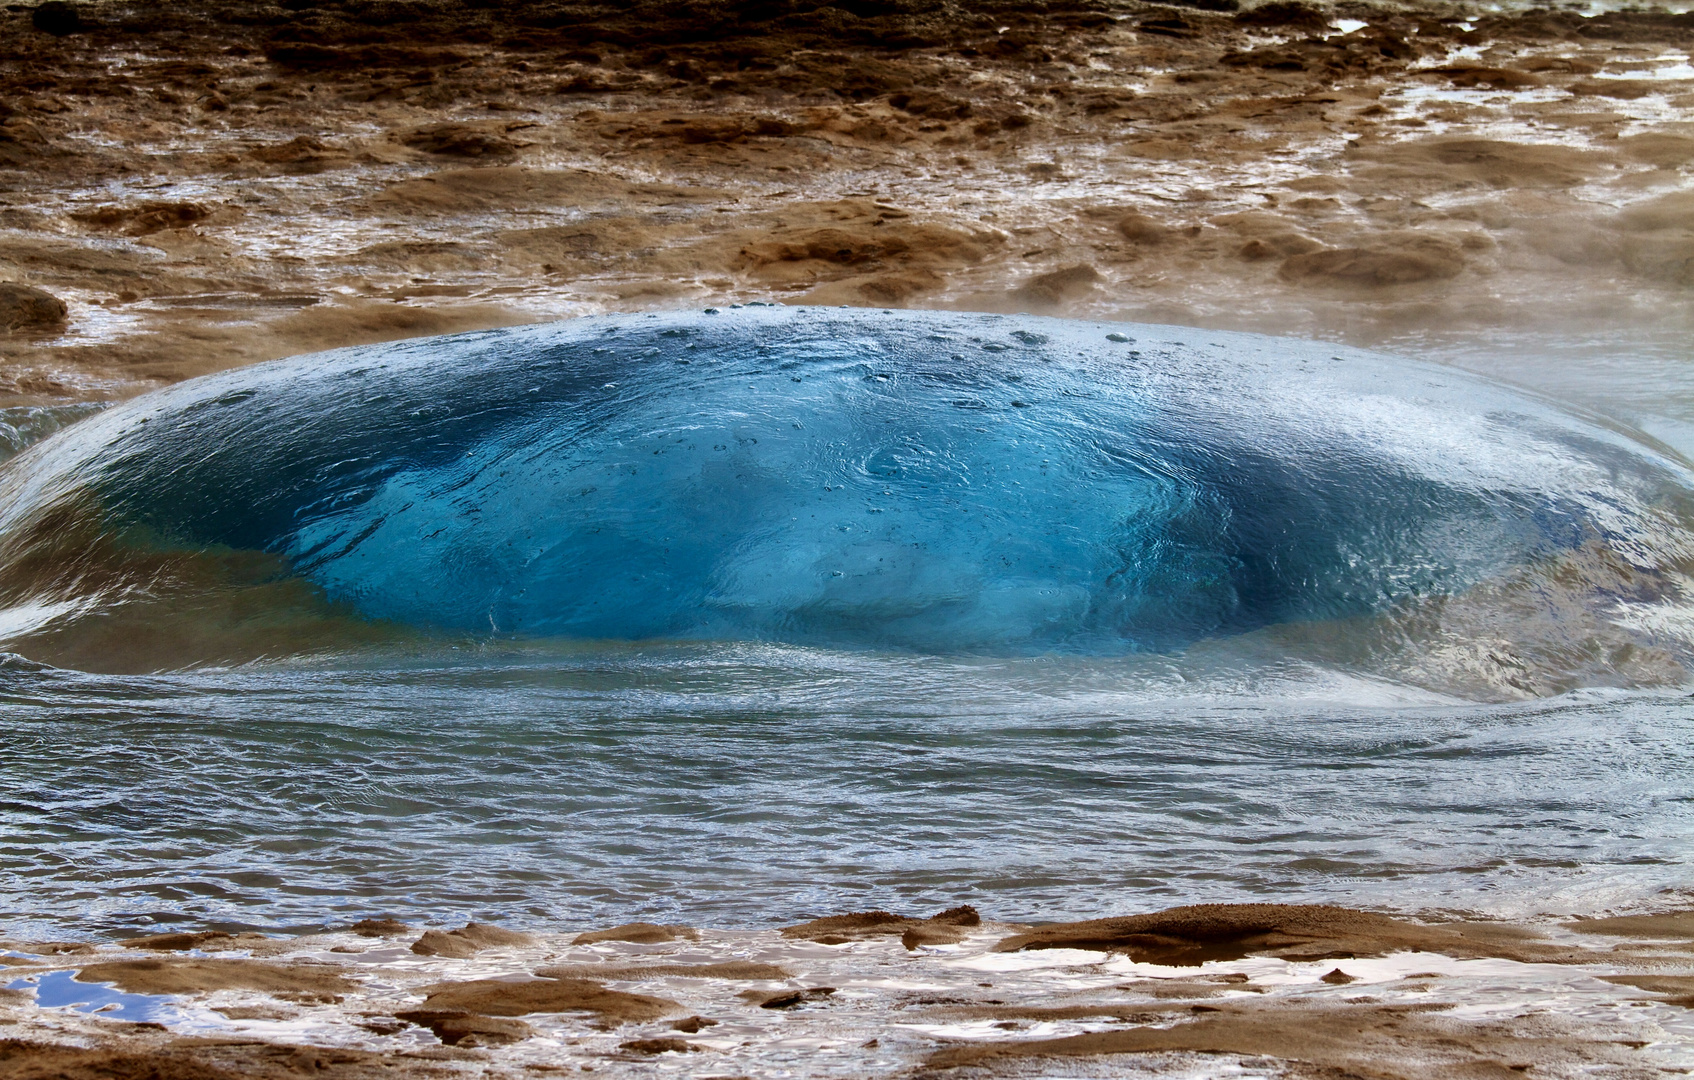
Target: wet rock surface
pixel 212 183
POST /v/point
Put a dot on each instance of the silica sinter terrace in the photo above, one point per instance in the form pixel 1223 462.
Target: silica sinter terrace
pixel 740 615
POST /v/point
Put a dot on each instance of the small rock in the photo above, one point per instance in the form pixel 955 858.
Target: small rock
pixel 467 941
pixel 787 999
pixel 378 927
pixel 639 933
pixel 56 17
pixel 659 1046
pixel 25 308
pixel 692 1025
pixel 1338 978
pixel 179 942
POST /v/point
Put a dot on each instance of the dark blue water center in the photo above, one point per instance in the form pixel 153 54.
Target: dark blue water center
pixel 943 482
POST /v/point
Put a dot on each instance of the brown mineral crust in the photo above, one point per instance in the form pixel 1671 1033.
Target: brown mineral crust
pixel 301 154
pixel 690 153
pixel 24 307
pixel 1375 267
pixel 503 997
pixel 1678 988
pixel 1678 925
pixel 787 999
pixel 740 970
pixel 1193 935
pixel 197 939
pixel 468 940
pixel 1387 1042
pixel 1664 151
pixel 638 933
pixel 147 218
pixel 297 982
pixel 379 927
pixel 195 1059
pixel 941 928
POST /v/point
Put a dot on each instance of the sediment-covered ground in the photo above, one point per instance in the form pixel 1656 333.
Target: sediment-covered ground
pixel 1219 990
pixel 204 184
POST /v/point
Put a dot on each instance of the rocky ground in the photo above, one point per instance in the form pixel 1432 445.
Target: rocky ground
pixel 206 183
pixel 1211 991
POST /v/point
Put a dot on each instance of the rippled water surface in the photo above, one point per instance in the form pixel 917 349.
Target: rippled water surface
pixel 741 786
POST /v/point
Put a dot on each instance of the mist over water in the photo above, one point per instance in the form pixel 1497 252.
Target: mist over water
pixel 747 615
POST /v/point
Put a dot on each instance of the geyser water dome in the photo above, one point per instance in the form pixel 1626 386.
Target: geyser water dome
pixel 926 481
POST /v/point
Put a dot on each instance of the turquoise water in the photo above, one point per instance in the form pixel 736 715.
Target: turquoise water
pixel 744 616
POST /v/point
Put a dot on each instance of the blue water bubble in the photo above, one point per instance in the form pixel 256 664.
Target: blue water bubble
pixel 850 478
